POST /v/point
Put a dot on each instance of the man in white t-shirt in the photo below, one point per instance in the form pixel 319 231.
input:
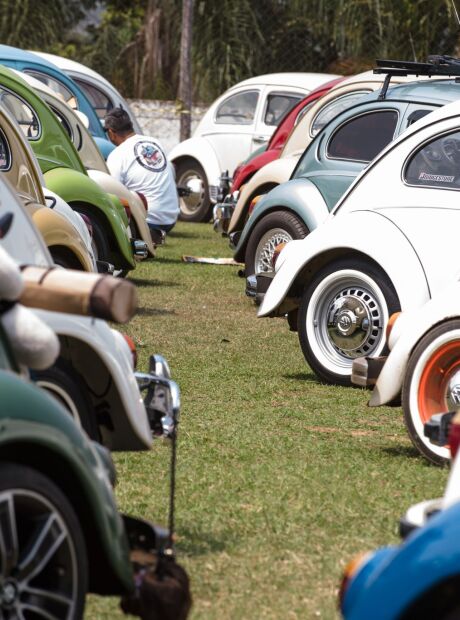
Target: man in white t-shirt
pixel 140 163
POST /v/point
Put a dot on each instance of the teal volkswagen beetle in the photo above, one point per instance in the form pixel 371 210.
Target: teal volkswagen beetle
pixel 328 167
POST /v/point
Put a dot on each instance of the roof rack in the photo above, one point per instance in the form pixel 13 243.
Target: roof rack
pixel 435 65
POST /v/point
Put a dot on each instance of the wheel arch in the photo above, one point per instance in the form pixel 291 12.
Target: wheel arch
pixel 102 578
pixel 200 150
pixel 68 256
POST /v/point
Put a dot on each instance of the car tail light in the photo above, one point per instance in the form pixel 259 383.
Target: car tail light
pixel 277 252
pixel 454 435
pixel 237 170
pixel 350 570
pixel 132 348
pixel 88 224
pixel 127 208
pixel 253 203
pixel 391 322
pixel 144 200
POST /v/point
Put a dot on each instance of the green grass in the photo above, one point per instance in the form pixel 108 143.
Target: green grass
pixel 281 479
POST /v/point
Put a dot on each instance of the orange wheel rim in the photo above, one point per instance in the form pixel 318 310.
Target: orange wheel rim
pixel 438 371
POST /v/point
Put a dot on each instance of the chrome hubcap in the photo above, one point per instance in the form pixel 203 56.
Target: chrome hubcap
pixel 191 203
pixel 453 391
pixel 266 249
pixel 349 322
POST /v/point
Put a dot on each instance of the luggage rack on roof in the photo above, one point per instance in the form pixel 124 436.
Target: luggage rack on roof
pixel 435 65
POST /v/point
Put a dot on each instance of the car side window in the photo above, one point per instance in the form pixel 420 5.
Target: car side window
pixel 363 137
pixel 277 106
pixel 333 109
pixel 98 99
pixel 64 122
pixel 436 163
pixel 23 113
pixel 5 153
pixel 238 109
pixel 56 86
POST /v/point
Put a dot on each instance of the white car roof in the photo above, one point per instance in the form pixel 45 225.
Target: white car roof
pixel 65 64
pixel 308 81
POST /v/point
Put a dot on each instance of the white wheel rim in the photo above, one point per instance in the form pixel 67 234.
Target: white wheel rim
pixel 347 286
pixel 192 203
pixel 414 391
pixel 266 248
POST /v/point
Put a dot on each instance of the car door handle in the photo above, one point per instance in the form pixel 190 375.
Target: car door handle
pixel 260 139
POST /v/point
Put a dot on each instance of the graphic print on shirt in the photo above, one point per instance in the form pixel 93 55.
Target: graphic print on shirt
pixel 150 156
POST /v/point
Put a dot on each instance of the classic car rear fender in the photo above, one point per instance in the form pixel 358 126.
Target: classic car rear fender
pixel 138 213
pixel 201 150
pixel 383 244
pixel 406 576
pixel 299 196
pixel 37 432
pixel 79 190
pixel 102 357
pixel 62 238
pixel 409 328
pixel 269 176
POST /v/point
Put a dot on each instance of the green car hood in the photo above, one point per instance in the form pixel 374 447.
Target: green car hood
pixel 35 430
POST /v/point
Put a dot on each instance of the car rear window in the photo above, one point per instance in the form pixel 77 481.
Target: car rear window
pixel 278 105
pixel 363 137
pixel 238 109
pixel 22 112
pixel 436 164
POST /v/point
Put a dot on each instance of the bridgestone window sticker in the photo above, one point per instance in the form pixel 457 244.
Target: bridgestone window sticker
pixel 440 178
pixel 150 156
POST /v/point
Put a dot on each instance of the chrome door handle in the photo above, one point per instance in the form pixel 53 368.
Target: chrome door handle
pixel 260 139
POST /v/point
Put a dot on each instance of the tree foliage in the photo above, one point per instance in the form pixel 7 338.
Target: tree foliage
pixel 136 45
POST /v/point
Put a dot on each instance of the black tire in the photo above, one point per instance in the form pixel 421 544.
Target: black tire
pixel 32 504
pixel 364 287
pixel 195 208
pixel 425 385
pixel 69 389
pixel 100 241
pixel 284 225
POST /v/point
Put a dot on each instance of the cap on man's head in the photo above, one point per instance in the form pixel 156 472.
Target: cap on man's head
pixel 118 121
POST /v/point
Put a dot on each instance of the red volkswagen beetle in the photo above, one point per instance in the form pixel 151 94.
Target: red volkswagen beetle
pixel 266 154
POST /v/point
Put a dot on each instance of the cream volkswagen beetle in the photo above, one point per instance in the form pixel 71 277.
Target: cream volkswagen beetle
pixel 390 243
pixel 237 123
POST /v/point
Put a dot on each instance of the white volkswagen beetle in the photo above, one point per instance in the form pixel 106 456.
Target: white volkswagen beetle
pixel 238 122
pixel 423 366
pixel 390 243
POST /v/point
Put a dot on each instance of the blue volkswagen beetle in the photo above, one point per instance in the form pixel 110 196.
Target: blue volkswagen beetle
pixel 60 82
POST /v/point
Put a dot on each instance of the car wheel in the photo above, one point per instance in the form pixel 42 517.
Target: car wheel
pixel 67 387
pixel 99 239
pixel 44 562
pixel 432 385
pixel 271 230
pixel 343 315
pixel 196 207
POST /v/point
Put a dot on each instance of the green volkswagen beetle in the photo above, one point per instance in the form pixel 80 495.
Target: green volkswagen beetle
pixel 65 173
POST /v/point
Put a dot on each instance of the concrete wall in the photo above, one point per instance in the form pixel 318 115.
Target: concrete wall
pixel 160 120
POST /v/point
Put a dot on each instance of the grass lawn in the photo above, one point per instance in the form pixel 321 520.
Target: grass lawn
pixel 280 479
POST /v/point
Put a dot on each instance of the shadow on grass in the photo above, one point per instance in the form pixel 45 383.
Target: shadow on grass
pixel 175 234
pixel 153 312
pixel 193 543
pixel 143 282
pixel 168 261
pixel 407 452
pixel 303 376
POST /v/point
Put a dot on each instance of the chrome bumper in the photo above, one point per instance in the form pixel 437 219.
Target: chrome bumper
pixel 257 285
pixel 366 370
pixel 162 397
pixel 140 249
pixel 222 214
